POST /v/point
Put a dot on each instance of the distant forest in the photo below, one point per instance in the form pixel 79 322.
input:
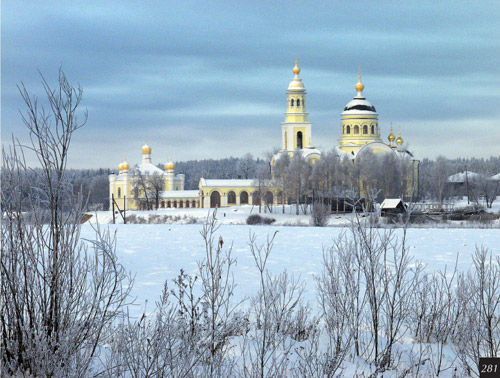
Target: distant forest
pixel 94 183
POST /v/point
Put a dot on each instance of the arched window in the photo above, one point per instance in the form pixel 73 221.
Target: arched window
pixel 373 129
pixel 298 102
pixel 231 197
pixel 162 204
pixel 187 204
pixel 256 198
pixel 356 129
pixel 365 129
pixel 348 129
pixel 299 139
pixel 243 198
pixel 169 204
pixel 269 197
pixel 119 192
pixel 215 199
pixel 181 204
pixel 175 204
pixel 193 204
pixel 292 101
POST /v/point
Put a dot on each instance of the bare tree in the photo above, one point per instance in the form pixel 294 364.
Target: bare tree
pixel 247 166
pixel 59 294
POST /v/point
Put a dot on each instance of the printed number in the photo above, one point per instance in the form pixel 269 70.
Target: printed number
pixel 489 369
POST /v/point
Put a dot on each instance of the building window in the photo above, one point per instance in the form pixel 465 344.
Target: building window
pixel 348 129
pixel 373 129
pixel 291 102
pixel 119 192
pixel 365 129
pixel 231 197
pixel 298 102
pixel 187 204
pixel 299 139
pixel 356 129
pixel 169 204
pixel 175 204
pixel 243 198
pixel 193 204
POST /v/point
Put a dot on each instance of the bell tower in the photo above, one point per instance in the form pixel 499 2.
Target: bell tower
pixel 296 130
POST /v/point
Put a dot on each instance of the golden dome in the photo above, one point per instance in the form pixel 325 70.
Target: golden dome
pixel 170 166
pixel 391 137
pixel 359 85
pixel 125 166
pixel 399 141
pixel 146 149
pixel 296 69
pixel 120 166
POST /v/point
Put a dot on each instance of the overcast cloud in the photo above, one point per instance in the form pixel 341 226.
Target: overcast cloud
pixel 204 79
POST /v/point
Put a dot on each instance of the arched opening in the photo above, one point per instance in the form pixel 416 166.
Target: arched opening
pixel 169 204
pixel 365 129
pixel 175 204
pixel 348 129
pixel 269 197
pixel 181 204
pixel 215 199
pixel 243 198
pixel 292 101
pixel 193 204
pixel 373 129
pixel 279 199
pixel 356 129
pixel 298 102
pixel 187 204
pixel 119 192
pixel 256 198
pixel 299 139
pixel 231 197
pixel 162 204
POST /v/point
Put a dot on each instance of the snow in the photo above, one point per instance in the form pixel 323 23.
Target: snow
pixel 463 176
pixel 180 194
pixel 390 203
pixel 155 253
pixel 495 177
pixel 148 169
pixel 228 182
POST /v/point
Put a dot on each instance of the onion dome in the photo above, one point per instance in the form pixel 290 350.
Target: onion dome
pixel 146 149
pixel 123 166
pixel 296 83
pixel 170 166
pixel 359 86
pixel 391 137
pixel 359 102
pixel 399 141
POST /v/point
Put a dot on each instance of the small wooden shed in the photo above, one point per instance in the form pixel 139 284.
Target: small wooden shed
pixel 391 206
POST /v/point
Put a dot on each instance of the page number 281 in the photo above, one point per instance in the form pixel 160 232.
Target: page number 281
pixel 489 367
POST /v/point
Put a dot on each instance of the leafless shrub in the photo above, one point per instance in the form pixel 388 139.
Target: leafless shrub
pixel 320 214
pixel 59 294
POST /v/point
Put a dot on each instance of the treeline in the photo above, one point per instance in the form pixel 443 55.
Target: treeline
pixel 245 167
pixel 433 178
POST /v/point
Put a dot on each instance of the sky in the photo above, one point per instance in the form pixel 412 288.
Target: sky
pixel 208 79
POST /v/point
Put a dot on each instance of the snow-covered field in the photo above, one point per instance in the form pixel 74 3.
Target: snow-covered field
pixel 156 252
